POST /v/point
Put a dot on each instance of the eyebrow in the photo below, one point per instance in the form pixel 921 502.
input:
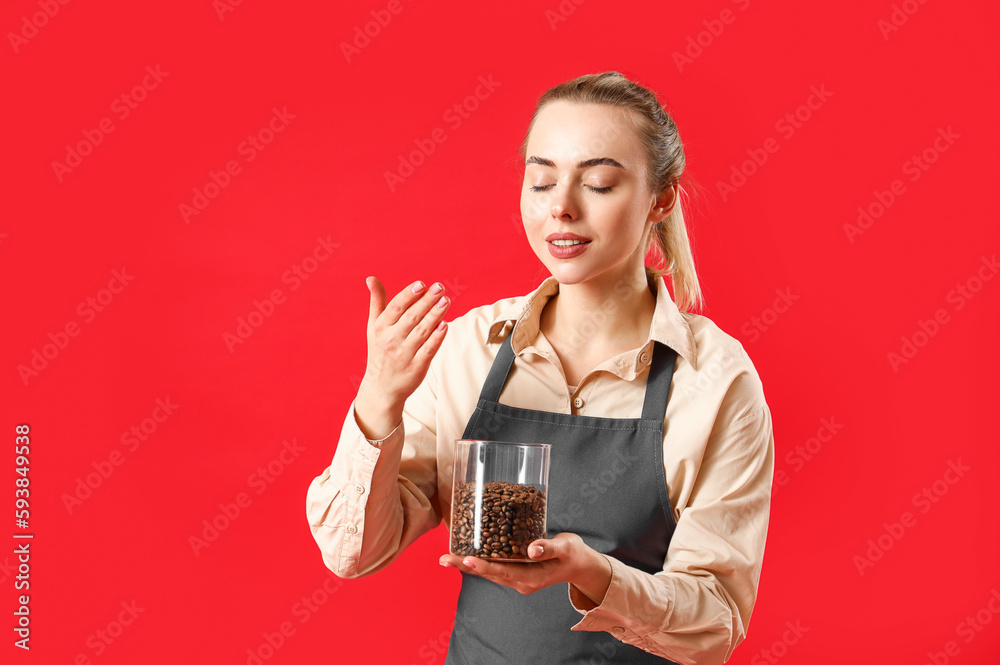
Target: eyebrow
pixel 587 163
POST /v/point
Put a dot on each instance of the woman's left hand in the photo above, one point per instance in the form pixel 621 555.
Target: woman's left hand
pixel 564 558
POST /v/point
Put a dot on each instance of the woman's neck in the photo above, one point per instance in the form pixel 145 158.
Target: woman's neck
pixel 607 319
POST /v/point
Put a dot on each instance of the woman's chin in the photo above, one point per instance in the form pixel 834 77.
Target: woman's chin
pixel 570 274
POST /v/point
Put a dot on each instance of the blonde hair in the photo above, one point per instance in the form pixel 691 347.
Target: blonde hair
pixel 658 134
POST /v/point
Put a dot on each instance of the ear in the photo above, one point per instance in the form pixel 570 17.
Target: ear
pixel 664 204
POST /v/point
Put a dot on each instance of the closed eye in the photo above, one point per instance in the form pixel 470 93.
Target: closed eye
pixel 542 188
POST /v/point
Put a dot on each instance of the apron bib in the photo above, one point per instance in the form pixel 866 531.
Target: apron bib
pixel 606 484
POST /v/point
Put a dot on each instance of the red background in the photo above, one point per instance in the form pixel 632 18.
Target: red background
pixel 323 176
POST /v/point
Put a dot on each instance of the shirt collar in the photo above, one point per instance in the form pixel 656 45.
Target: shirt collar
pixel 668 326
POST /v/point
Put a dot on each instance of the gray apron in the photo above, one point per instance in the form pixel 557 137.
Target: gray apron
pixel 606 484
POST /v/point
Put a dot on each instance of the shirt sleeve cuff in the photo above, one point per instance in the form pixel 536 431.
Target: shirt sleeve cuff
pixel 371 451
pixel 580 601
pixel 379 442
pixel 596 616
pixel 352 419
pixel 621 611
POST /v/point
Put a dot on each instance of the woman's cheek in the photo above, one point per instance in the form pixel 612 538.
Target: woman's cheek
pixel 532 208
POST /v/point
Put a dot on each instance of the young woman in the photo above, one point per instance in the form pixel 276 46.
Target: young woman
pixel 662 449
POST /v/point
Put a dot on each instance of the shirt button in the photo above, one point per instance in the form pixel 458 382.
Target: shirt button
pixel 360 489
pixel 351 528
pixel 644 358
pixel 578 402
pixel 618 630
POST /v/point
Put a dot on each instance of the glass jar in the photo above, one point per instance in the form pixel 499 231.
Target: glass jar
pixel 499 498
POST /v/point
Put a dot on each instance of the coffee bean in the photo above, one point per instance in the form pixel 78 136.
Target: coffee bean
pixel 510 519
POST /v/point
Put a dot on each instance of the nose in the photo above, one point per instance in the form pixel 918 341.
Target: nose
pixel 560 212
pixel 563 207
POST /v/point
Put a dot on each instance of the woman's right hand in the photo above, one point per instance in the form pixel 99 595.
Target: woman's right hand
pixel 403 336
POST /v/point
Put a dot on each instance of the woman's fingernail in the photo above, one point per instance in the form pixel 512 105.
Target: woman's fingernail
pixel 445 564
pixel 437 288
pixel 418 287
pixel 469 563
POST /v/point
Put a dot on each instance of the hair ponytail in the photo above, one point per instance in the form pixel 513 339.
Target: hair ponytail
pixel 674 249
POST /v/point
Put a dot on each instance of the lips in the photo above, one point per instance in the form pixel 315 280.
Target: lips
pixel 575 245
pixel 565 236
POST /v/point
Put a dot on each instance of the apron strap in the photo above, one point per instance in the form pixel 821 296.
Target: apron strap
pixel 661 372
pixel 499 371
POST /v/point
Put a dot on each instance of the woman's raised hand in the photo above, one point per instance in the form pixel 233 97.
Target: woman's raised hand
pixel 403 336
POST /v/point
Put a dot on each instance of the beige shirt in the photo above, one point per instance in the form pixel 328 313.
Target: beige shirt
pixel 377 497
